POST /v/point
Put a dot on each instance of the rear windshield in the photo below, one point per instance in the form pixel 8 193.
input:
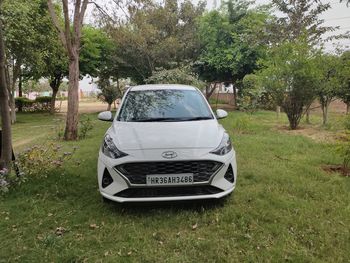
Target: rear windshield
pixel 164 105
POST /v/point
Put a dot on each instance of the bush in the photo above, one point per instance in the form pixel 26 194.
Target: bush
pixel 22 102
pixel 40 104
pixel 43 103
pixel 4 182
pixel 43 99
pixel 345 146
pixel 41 160
pixel 85 126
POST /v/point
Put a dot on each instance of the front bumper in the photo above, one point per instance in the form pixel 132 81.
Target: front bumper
pixel 121 190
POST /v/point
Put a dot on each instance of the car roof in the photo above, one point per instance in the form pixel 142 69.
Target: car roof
pixel 162 87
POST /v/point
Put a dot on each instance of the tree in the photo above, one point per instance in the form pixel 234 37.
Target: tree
pixel 328 81
pixel 70 37
pixel 155 35
pixel 300 18
pixel 230 46
pixel 175 76
pixel 109 92
pixel 344 91
pixel 290 76
pixel 6 147
pixel 23 21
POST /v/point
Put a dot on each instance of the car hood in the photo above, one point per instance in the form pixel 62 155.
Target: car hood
pixel 166 135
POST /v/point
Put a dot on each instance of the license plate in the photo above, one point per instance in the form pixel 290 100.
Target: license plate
pixel 169 179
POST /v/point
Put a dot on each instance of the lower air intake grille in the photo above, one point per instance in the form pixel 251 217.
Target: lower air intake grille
pixel 136 172
pixel 168 191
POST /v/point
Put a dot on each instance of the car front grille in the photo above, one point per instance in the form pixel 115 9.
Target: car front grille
pixel 168 191
pixel 136 172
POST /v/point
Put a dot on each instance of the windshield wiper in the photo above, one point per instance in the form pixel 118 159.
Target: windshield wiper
pixel 197 118
pixel 155 119
pixel 160 119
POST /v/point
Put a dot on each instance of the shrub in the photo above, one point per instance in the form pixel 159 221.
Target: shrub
pixel 43 103
pixel 22 102
pixel 345 146
pixel 4 182
pixel 85 126
pixel 38 105
pixel 41 160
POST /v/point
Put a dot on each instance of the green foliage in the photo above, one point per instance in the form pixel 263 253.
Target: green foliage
pixel 4 181
pixel 299 18
pixel 290 76
pixel 329 67
pixel 252 94
pixel 41 160
pixel 329 81
pixel 109 91
pixel 344 147
pixel 40 104
pixel 43 99
pixel 85 127
pixel 344 90
pixel 30 36
pixel 96 52
pixel 230 44
pixel 175 76
pixel 156 34
pixel 22 102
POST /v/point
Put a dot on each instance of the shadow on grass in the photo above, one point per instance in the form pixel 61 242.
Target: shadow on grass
pixel 147 208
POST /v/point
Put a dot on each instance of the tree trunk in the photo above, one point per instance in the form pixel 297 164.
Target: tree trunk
pixel 55 83
pixel 16 73
pixel 6 146
pixel 278 111
pixel 20 92
pixel 12 105
pixel 210 90
pixel 308 116
pixel 347 107
pixel 324 113
pixel 109 107
pixel 53 100
pixel 71 131
pixel 235 95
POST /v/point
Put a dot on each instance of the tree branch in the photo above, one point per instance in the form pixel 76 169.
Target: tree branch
pixel 67 32
pixel 56 23
pixel 82 11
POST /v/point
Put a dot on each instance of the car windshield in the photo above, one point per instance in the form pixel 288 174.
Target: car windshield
pixel 164 105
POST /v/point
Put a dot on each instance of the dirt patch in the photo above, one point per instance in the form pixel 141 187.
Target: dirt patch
pixel 340 169
pixel 226 107
pixel 85 106
pixel 313 133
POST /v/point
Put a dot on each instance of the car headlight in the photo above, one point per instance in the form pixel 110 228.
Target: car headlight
pixel 224 147
pixel 109 149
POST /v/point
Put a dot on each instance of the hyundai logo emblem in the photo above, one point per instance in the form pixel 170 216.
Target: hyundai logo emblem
pixel 169 154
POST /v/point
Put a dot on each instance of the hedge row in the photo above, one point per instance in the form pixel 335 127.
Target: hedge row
pixel 39 104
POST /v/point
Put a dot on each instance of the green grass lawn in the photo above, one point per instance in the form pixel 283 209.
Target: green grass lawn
pixel 284 208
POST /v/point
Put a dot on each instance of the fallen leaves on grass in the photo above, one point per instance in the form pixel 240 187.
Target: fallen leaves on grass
pixel 194 227
pixel 60 231
pixel 94 226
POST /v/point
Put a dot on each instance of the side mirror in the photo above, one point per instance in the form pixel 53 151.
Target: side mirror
pixel 220 114
pixel 105 116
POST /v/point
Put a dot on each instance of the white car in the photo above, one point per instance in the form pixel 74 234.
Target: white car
pixel 165 144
